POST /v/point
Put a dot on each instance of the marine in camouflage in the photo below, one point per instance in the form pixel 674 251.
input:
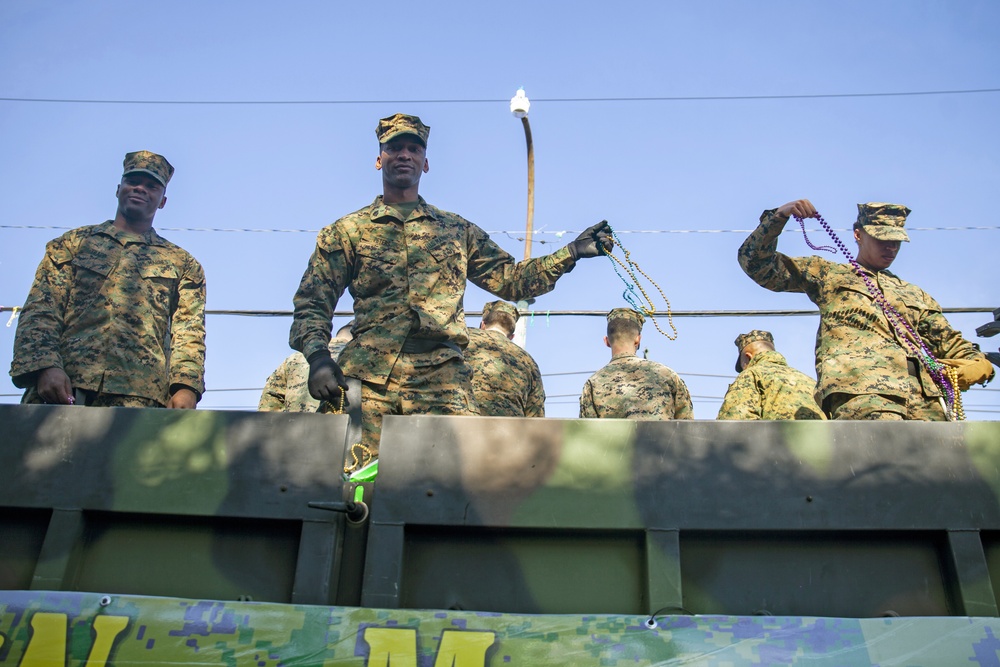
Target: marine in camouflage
pixel 407 276
pixel 768 388
pixel 505 379
pixel 120 313
pixel 287 388
pixel 629 387
pixel 633 388
pixel 858 352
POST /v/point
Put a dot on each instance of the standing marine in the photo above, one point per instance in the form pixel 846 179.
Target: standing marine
pixel 287 388
pixel 629 387
pixel 506 381
pixel 406 263
pixel 767 387
pixel 116 314
pixel 876 330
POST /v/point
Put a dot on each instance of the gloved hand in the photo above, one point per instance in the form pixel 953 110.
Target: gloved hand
pixel 326 380
pixel 971 371
pixel 586 244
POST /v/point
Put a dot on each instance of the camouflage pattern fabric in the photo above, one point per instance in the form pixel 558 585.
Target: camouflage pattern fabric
pixel 505 379
pixel 857 350
pixel 768 388
pixel 64 628
pixel 633 388
pixel 407 279
pixel 120 313
pixel 420 384
pixel 287 388
pixel 885 408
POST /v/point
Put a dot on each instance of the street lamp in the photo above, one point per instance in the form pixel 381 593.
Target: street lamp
pixel 519 105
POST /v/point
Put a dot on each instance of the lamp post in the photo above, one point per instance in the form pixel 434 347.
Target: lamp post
pixel 519 105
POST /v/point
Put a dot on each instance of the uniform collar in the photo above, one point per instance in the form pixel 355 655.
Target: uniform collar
pixel 769 356
pixel 379 210
pixel 149 237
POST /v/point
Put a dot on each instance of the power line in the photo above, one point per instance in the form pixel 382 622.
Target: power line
pixel 531 314
pixel 547 100
pixel 512 233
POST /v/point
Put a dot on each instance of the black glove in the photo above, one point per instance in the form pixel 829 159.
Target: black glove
pixel 592 241
pixel 326 380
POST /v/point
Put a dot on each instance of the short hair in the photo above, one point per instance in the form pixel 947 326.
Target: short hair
pixel 347 328
pixel 622 329
pixel 499 318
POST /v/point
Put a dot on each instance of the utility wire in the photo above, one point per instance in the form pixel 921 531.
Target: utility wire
pixel 548 100
pixel 512 233
pixel 531 314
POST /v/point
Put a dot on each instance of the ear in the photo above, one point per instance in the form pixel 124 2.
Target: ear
pixel 607 342
pixel 427 166
pixel 638 341
pixel 857 235
pixel 163 202
pixel 117 188
pixel 378 163
pixel 510 336
pixel 482 325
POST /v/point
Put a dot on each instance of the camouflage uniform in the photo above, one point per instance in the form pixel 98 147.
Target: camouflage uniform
pixel 407 275
pixel 768 388
pixel 122 314
pixel 630 387
pixel 287 388
pixel 633 388
pixel 505 379
pixel 858 352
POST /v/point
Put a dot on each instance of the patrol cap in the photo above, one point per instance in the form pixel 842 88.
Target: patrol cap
pixel 750 337
pixel 501 307
pixel 148 163
pixel 884 221
pixel 401 123
pixel 627 314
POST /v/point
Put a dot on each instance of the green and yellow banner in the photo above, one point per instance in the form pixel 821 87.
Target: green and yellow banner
pixel 53 629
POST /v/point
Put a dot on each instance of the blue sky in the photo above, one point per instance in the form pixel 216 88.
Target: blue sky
pixel 663 173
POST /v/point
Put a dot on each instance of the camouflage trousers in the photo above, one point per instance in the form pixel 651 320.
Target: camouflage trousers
pixel 413 388
pixel 916 406
pixel 95 400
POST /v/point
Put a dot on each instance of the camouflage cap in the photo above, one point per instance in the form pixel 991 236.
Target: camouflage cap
pixel 501 307
pixel 884 221
pixel 628 314
pixel 401 123
pixel 750 337
pixel 148 163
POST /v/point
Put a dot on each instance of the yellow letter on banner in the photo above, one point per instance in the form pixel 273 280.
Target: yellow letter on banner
pixel 47 646
pixel 460 648
pixel 391 647
pixel 106 629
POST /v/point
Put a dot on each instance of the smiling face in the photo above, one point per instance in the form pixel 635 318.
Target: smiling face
pixel 874 254
pixel 139 196
pixel 402 160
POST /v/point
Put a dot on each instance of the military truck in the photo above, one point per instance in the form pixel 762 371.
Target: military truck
pixel 141 537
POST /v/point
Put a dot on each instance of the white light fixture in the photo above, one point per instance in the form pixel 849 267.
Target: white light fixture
pixel 519 104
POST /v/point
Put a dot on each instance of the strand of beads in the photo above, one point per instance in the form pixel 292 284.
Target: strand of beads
pixel 802 225
pixel 630 267
pixel 896 321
